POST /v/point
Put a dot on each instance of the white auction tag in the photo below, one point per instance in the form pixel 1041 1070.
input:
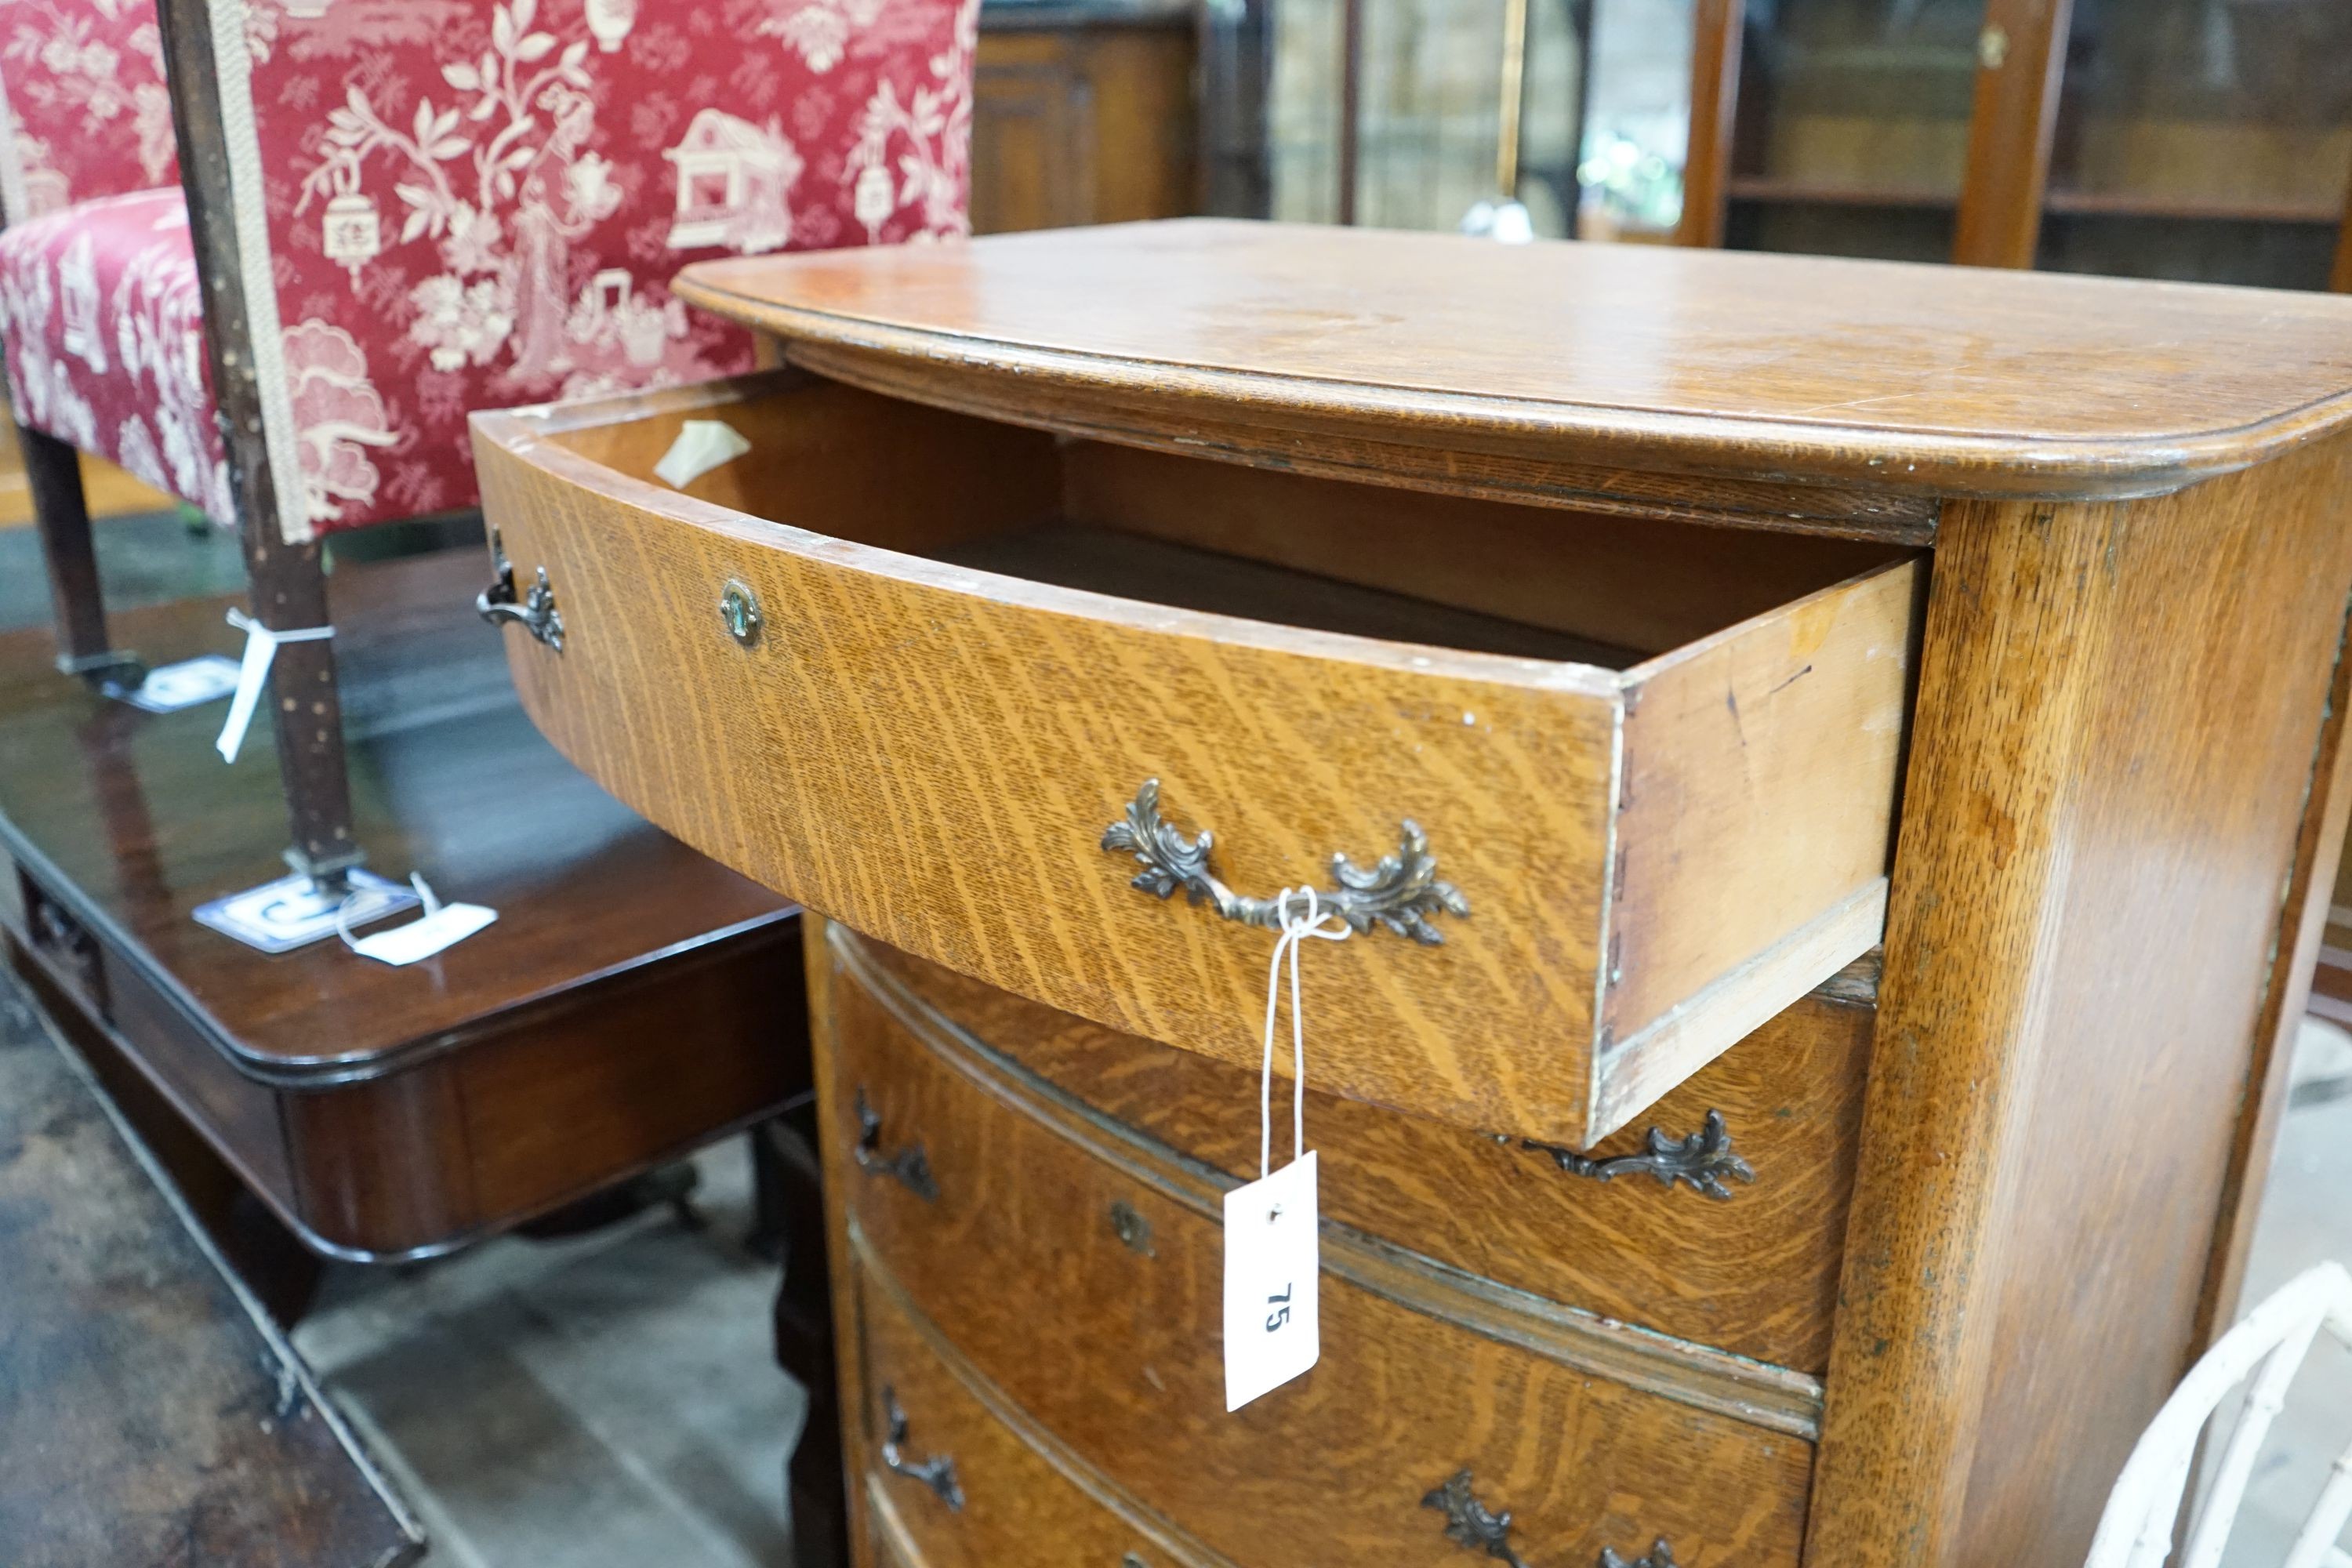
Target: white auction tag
pixel 261 645
pixel 444 928
pixel 702 446
pixel 1274 1327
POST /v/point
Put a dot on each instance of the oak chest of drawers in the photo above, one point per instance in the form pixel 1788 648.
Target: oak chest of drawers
pixel 1626 644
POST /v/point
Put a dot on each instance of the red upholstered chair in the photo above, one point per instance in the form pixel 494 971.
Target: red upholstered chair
pixel 404 210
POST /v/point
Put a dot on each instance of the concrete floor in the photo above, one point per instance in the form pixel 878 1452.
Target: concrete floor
pixel 2306 1219
pixel 607 1400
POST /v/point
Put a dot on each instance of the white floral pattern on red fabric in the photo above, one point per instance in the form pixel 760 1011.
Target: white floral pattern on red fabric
pixel 103 322
pixel 485 199
pixel 89 114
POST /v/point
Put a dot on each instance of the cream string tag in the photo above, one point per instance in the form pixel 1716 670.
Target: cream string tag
pixel 260 653
pixel 1273 1314
pixel 1295 930
pixel 442 926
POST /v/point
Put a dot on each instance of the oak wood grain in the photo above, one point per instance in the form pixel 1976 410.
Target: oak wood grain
pixel 1027 1495
pixel 932 753
pixel 1755 1274
pixel 1904 379
pixel 1021 1249
pixel 2318 872
pixel 2120 712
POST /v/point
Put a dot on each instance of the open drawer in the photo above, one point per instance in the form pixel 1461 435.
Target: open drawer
pixel 914 669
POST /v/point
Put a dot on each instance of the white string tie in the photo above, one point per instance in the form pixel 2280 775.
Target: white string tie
pixel 260 653
pixel 1295 930
pixel 424 899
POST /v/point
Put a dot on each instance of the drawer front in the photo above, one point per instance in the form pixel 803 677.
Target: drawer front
pixel 1653 861
pixel 1078 1272
pixel 954 1483
pixel 65 949
pixel 1734 1243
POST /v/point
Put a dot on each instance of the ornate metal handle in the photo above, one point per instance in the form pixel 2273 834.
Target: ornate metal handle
pixel 938 1472
pixel 1402 892
pixel 1471 1523
pixel 910 1165
pixel 1702 1159
pixel 534 613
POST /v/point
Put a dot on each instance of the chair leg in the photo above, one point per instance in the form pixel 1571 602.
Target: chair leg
pixel 290 592
pixel 815 1476
pixel 61 512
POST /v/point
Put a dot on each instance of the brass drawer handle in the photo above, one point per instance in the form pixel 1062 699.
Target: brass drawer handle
pixel 938 1472
pixel 910 1165
pixel 535 612
pixel 1703 1160
pixel 1402 892
pixel 1469 1523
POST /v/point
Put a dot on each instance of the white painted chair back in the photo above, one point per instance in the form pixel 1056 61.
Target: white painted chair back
pixel 2268 1347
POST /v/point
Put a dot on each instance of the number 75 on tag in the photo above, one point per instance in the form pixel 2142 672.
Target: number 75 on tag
pixel 1274 1328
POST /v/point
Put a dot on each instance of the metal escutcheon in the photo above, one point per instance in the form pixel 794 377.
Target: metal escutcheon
pixel 738 612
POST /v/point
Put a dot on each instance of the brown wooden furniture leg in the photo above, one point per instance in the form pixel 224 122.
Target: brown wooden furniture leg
pixel 290 594
pixel 2087 916
pixel 53 474
pixel 813 1476
pixel 289 588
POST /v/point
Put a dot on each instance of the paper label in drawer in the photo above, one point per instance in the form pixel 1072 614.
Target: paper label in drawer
pixel 1274 1328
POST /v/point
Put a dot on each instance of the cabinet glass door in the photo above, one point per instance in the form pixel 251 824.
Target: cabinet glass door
pixel 1430 118
pixel 1853 130
pixel 2202 139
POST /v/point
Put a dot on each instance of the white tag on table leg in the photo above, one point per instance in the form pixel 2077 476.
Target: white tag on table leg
pixel 1274 1325
pixel 260 653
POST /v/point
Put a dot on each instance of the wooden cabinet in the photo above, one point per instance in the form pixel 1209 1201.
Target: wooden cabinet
pixel 2165 139
pixel 1852 135
pixel 2202 143
pixel 1650 613
pixel 1083 114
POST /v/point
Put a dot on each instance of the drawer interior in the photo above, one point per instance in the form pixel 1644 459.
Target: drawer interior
pixel 1196 533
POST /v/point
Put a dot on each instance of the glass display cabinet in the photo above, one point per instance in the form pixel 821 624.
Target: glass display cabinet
pixel 2208 140
pixel 1850 135
pixel 1389 112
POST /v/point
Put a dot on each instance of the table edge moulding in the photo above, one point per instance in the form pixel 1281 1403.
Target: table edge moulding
pixel 1879 376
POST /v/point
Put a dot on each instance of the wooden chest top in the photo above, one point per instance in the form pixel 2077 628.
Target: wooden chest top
pixel 1922 380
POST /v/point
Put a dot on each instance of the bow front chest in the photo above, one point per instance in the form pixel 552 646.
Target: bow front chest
pixel 1823 763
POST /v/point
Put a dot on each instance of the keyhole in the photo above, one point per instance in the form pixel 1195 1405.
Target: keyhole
pixel 738 612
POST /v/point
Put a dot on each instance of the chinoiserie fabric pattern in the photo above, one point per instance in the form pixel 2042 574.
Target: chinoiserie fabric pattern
pixel 475 204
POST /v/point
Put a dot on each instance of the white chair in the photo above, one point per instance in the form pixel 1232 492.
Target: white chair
pixel 2269 1346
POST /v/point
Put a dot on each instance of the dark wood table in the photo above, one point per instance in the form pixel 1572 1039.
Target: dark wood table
pixel 633 1000
pixel 149 1413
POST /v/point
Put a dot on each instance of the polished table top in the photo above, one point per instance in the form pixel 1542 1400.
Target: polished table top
pixel 134 817
pixel 1924 380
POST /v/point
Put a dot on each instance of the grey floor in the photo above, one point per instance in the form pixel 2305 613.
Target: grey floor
pixel 602 1401
pixel 2306 1219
